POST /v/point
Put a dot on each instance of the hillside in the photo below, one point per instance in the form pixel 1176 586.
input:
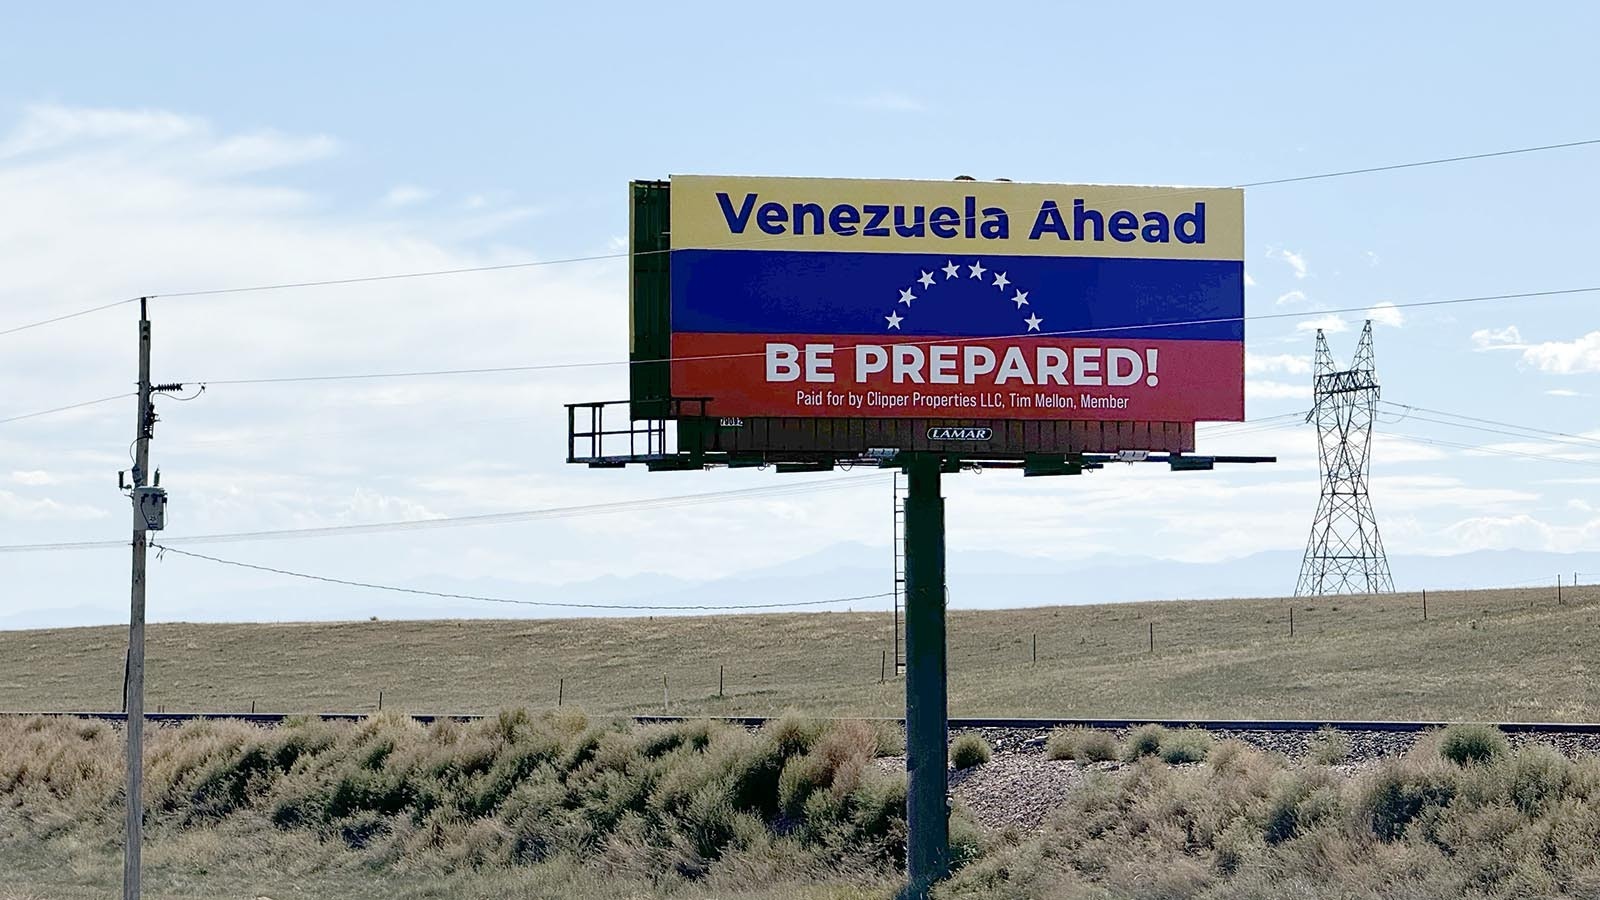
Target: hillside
pixel 1489 655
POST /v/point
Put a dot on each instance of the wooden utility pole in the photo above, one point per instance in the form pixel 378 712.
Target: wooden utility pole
pixel 149 514
pixel 133 690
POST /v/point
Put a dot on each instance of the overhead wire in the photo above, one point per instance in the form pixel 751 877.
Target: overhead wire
pixel 70 406
pixel 447 595
pixel 1541 431
pixel 461 270
pixel 559 512
pixel 540 367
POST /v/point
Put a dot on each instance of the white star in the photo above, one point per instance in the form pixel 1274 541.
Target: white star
pixel 894 319
pixel 950 270
pixel 977 269
pixel 1021 299
pixel 1001 282
pixel 906 296
pixel 926 280
pixel 1033 322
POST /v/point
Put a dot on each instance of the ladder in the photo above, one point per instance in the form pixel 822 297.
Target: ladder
pixel 899 548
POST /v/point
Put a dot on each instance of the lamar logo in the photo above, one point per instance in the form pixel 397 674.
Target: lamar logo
pixel 946 433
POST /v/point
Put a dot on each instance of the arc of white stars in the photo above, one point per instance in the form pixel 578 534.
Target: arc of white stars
pixel 926 280
pixel 894 319
pixel 977 269
pixel 906 296
pixel 951 270
pixel 1021 299
pixel 1033 321
pixel 1000 281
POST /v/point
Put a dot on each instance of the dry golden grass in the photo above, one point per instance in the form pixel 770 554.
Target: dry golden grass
pixel 1483 655
pixel 1246 826
pixel 387 808
pixel 515 805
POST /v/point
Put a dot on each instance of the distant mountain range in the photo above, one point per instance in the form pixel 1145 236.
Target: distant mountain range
pixel 987 580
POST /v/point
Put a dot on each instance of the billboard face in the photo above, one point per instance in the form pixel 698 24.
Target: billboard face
pixel 957 299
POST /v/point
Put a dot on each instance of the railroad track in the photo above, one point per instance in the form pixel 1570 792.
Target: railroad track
pixel 1021 724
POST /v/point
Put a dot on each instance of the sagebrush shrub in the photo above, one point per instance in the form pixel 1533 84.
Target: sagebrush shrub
pixel 1190 745
pixel 969 750
pixel 1538 776
pixel 1144 741
pixel 1399 791
pixel 1085 745
pixel 1470 744
pixel 1329 747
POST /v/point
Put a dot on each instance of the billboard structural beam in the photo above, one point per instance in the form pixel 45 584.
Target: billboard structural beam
pixel 927 722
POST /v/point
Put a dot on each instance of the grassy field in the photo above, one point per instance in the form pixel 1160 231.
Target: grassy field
pixel 522 805
pixel 1483 655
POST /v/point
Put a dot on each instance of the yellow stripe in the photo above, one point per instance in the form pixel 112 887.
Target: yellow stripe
pixel 699 220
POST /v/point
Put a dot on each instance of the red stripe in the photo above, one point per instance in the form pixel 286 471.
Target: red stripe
pixel 1196 381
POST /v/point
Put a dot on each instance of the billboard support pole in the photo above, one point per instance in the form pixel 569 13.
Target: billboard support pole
pixel 927 725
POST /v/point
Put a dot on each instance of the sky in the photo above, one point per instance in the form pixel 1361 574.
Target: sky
pixel 197 147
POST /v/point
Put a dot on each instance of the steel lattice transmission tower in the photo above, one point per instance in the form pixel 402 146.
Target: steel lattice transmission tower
pixel 1344 554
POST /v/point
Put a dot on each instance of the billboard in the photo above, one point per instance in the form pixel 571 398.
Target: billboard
pixel 956 300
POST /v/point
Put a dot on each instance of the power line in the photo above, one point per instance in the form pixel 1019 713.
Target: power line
pixel 544 367
pixel 560 512
pixel 462 270
pixel 1498 451
pixel 62 318
pixel 46 412
pixel 1421 163
pixel 1590 445
pixel 1543 431
pixel 545 604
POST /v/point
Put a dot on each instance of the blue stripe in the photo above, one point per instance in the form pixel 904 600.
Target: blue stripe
pixel 787 292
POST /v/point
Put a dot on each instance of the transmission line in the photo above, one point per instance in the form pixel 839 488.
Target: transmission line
pixel 542 367
pixel 1541 431
pixel 560 512
pixel 545 604
pixel 70 406
pixel 462 270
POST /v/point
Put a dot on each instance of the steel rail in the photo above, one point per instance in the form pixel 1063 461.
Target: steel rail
pixel 1025 724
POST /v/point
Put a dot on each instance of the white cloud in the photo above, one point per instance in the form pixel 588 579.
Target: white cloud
pixel 1520 531
pixel 1276 390
pixel 1575 357
pixel 33 478
pixel 1286 363
pixel 1291 297
pixel 1372 258
pixel 406 195
pixel 1507 338
pixel 1563 392
pixel 17 508
pixel 1386 313
pixel 46 126
pixel 1295 261
pixel 1330 324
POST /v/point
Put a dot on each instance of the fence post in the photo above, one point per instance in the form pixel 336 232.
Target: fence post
pixel 883 668
pixel 380 701
pixel 666 702
pixel 719 680
pixel 252 707
pixel 1558 590
pixel 1424 604
pixel 1152 637
pixel 1036 648
pixel 1291 621
pixel 561 690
